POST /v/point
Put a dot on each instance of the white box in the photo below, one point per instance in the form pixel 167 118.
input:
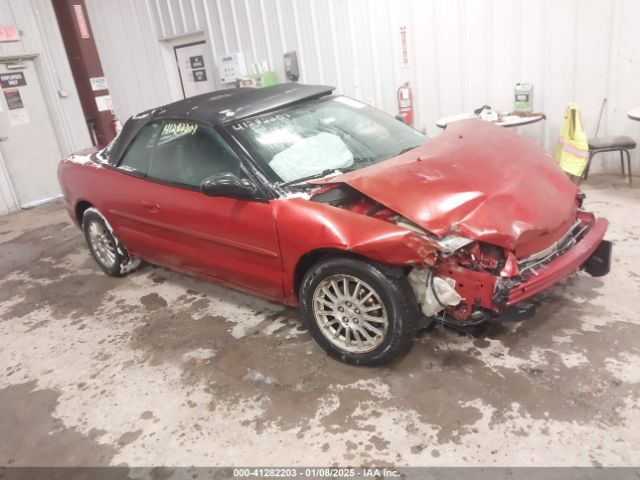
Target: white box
pixel 231 66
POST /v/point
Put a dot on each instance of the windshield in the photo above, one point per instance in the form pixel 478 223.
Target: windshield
pixel 319 137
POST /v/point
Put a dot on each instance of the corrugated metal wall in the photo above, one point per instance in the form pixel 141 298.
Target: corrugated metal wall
pixel 461 53
pixel 40 36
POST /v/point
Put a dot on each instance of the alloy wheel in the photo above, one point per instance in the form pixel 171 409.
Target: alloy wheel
pixel 102 244
pixel 350 313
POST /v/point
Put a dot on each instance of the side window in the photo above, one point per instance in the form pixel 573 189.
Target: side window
pixel 187 153
pixel 138 155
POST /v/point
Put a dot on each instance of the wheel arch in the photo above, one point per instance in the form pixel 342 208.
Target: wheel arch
pixel 80 208
pixel 309 259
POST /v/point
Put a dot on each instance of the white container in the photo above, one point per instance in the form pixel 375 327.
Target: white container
pixel 523 97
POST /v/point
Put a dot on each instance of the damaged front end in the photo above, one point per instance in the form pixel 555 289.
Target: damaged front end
pixel 459 289
pixel 464 282
pixel 486 244
pixel 432 273
pixel 477 282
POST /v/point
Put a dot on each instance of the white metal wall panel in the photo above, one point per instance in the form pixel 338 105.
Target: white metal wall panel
pixel 40 37
pixel 344 63
pixel 462 53
pixel 625 69
pixel 8 198
pixel 127 35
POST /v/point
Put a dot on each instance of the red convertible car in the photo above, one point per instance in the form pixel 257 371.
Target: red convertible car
pixel 313 199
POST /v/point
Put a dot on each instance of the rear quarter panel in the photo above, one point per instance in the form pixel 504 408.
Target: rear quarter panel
pixel 77 176
pixel 85 180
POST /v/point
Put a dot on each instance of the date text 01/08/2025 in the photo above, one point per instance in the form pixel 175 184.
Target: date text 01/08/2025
pixel 315 473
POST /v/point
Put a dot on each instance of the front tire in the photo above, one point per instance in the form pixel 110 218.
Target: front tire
pixel 108 252
pixel 357 312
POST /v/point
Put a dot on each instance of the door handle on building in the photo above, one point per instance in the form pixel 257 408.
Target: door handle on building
pixel 2 139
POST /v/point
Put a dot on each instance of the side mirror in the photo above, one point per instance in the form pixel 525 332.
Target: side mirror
pixel 228 185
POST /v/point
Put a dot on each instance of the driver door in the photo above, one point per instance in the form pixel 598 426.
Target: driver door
pixel 233 241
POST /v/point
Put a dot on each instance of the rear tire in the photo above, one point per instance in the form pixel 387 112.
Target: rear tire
pixel 358 313
pixel 107 251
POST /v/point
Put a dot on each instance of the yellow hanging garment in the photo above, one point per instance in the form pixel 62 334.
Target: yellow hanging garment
pixel 572 151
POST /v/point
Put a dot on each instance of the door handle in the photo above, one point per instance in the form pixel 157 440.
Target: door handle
pixel 152 207
pixel 2 139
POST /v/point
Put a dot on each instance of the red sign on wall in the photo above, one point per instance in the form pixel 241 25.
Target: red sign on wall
pixel 9 33
pixel 82 21
pixel 403 47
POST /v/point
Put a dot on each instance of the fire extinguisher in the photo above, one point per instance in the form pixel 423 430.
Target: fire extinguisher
pixel 405 104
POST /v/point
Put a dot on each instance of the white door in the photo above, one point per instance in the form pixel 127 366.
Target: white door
pixel 28 143
pixel 195 68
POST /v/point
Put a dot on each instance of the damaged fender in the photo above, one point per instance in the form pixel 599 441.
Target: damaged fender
pixel 305 227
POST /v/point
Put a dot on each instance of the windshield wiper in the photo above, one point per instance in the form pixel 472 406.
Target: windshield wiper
pixel 324 173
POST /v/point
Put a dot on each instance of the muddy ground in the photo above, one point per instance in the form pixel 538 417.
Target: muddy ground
pixel 159 368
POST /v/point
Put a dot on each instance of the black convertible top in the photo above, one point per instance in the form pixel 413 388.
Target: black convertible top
pixel 217 108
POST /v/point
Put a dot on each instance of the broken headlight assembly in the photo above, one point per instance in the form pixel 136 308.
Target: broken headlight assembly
pixel 452 243
pixel 447 245
pixel 435 293
pixel 461 283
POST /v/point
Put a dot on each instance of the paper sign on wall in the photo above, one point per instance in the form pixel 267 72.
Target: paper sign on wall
pixel 197 61
pixel 98 83
pixel 199 75
pixel 103 102
pixel 18 115
pixel 13 98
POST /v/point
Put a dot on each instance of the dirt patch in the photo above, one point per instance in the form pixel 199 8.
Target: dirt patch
pixel 51 241
pixel 43 279
pixel 378 442
pixel 74 295
pixel 129 437
pixel 28 426
pixel 153 301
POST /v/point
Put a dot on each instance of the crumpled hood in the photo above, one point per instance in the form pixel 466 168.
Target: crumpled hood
pixel 479 181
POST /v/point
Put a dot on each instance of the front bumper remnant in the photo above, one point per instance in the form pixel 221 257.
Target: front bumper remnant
pixel 591 251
